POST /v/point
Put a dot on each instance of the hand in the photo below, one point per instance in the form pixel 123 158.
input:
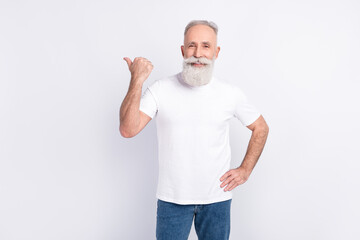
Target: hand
pixel 234 178
pixel 140 69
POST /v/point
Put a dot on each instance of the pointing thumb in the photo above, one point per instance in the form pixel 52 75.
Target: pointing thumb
pixel 128 61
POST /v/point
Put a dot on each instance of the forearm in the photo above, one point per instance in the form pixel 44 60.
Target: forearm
pixel 129 110
pixel 255 148
pixel 234 177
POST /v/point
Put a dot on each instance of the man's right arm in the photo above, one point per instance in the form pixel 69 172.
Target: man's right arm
pixel 132 120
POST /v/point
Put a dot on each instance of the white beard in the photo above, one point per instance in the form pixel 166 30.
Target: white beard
pixel 197 76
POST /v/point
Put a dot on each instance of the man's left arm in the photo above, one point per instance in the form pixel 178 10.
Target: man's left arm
pixel 240 175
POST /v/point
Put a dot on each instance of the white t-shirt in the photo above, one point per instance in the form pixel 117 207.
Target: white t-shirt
pixel 193 136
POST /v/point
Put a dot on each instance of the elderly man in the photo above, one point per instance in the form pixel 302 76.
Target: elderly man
pixel 192 110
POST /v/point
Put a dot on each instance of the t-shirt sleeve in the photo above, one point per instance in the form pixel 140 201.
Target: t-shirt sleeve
pixel 244 111
pixel 148 101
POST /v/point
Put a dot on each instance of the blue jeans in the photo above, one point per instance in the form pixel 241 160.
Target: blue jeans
pixel 212 221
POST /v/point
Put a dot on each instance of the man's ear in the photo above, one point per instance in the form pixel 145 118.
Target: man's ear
pixel 182 50
pixel 217 51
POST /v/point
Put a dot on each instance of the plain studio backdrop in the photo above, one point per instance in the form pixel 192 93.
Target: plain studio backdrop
pixel 67 173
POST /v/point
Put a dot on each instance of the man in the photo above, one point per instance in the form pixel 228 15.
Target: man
pixel 192 110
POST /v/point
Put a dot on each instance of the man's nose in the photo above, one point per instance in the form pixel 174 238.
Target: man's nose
pixel 197 52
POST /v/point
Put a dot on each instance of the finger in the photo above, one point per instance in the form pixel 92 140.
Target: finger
pixel 128 61
pixel 228 186
pixel 140 59
pixel 225 176
pixel 228 180
pixel 237 183
pixel 147 61
pixel 231 187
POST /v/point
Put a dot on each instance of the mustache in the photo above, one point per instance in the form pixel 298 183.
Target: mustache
pixel 201 60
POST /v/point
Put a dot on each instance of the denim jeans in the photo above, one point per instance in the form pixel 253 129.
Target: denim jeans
pixel 211 221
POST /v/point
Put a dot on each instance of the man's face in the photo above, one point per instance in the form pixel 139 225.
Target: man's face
pixel 199 52
pixel 200 41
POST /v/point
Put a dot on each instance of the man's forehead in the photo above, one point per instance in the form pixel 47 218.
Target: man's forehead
pixel 200 33
pixel 201 29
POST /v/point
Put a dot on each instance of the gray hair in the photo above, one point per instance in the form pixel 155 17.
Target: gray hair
pixel 201 22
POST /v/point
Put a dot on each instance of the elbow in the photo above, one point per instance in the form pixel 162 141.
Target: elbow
pixel 265 129
pixel 125 133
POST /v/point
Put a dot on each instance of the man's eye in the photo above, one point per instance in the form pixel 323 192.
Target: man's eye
pixel 206 46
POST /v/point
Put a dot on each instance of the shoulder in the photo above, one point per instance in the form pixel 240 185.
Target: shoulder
pixel 164 82
pixel 161 86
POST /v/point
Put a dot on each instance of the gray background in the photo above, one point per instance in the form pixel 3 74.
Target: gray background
pixel 65 170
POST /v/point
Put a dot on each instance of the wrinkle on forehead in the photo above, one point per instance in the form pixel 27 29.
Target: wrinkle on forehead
pixel 200 33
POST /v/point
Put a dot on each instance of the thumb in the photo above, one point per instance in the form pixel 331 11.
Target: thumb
pixel 128 61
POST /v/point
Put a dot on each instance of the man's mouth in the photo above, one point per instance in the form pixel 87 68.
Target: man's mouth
pixel 197 64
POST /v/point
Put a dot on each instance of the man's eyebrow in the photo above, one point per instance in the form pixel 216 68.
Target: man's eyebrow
pixel 204 43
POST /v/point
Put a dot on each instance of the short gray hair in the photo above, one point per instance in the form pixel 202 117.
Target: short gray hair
pixel 201 22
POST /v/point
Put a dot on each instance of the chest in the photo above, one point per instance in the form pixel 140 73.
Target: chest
pixel 199 108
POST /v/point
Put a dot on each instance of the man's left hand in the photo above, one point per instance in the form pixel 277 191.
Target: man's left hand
pixel 234 178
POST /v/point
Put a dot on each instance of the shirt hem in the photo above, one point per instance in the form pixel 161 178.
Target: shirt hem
pixel 253 120
pixel 183 202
